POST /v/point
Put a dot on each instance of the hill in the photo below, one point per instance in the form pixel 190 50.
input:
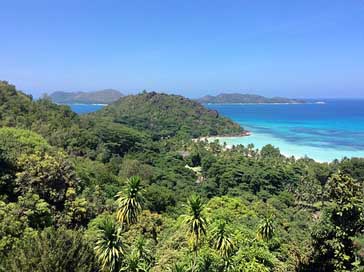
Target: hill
pixel 237 98
pixel 20 110
pixel 106 96
pixel 168 115
pixel 61 127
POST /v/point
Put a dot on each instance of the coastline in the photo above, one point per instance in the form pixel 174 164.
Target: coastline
pixel 283 153
pixel 287 149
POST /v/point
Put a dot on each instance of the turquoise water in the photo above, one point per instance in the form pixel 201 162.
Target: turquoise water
pixel 324 132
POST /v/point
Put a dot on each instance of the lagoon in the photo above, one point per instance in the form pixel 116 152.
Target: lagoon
pixel 325 131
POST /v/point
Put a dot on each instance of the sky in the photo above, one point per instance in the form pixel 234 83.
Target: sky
pixel 292 48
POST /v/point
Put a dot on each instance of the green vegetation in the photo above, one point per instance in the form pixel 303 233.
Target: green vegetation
pixel 168 115
pixel 129 203
pixel 128 190
pixel 236 98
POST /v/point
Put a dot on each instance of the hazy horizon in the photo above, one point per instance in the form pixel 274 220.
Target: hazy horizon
pixel 294 49
pixel 192 97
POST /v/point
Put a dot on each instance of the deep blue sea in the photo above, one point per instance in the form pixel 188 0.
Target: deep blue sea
pixel 323 132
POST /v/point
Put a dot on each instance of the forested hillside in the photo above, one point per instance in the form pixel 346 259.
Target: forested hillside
pixel 18 109
pixel 168 115
pixel 127 189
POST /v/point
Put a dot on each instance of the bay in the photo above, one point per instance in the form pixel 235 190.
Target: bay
pixel 85 108
pixel 322 131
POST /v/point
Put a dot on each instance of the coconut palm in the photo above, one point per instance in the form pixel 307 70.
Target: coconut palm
pixel 109 247
pixel 221 240
pixel 129 202
pixel 266 229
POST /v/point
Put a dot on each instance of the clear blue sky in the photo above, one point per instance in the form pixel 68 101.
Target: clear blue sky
pixel 295 48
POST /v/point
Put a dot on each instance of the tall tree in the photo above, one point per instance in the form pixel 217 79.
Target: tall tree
pixel 53 250
pixel 50 176
pixel 342 220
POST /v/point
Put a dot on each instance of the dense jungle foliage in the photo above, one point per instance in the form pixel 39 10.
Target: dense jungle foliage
pixel 129 189
pixel 168 115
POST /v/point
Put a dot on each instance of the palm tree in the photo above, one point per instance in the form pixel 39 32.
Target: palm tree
pixel 266 229
pixel 129 202
pixel 196 224
pixel 109 247
pixel 222 241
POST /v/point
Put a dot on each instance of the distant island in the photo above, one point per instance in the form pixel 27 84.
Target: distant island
pixel 238 98
pixel 106 96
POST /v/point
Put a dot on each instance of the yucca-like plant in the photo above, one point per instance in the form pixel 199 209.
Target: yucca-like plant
pixel 129 202
pixel 109 247
pixel 221 240
pixel 266 229
pixel 195 221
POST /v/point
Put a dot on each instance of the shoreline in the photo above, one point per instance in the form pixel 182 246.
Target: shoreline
pixel 289 150
pixel 285 154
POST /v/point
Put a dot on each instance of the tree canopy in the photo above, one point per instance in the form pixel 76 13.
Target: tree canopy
pixel 130 188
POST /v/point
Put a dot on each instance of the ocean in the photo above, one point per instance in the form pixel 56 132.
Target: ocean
pixel 323 132
pixel 85 108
